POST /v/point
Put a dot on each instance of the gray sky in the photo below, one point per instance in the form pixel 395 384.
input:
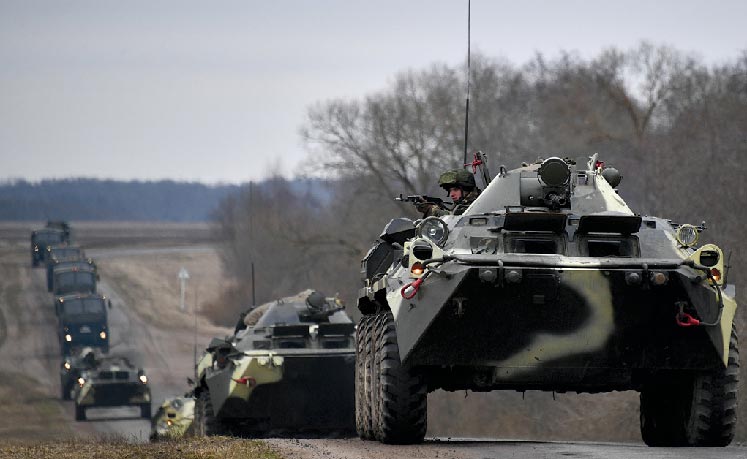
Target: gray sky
pixel 216 91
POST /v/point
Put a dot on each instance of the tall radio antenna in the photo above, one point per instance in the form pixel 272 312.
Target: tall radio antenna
pixel 466 116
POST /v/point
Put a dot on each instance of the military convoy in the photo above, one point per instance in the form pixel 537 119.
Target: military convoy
pixel 113 381
pixel 548 281
pixel 289 370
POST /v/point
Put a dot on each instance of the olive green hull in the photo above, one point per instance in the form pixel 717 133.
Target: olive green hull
pixel 315 393
pixel 113 394
pixel 556 329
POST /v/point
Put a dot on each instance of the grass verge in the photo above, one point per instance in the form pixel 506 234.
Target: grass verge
pixel 186 448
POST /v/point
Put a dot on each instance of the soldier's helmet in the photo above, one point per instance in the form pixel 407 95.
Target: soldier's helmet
pixel 316 301
pixel 457 177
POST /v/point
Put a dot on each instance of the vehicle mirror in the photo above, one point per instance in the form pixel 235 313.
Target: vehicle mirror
pixel 109 303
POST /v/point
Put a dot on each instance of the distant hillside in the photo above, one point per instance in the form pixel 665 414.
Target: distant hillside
pixel 93 199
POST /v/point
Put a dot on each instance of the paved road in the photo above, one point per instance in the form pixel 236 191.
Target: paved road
pixel 492 449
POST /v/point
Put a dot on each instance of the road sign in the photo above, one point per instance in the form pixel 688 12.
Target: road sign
pixel 182 276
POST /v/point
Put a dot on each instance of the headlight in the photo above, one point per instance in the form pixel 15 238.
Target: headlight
pixel 68 338
pixel 143 379
pixel 81 381
pixel 434 229
pixel 687 235
pixel 67 365
pixel 102 335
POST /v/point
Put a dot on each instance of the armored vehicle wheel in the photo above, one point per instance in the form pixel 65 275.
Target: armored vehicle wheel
pixel 699 411
pixel 145 411
pixel 400 397
pixel 80 412
pixel 207 424
pixel 363 360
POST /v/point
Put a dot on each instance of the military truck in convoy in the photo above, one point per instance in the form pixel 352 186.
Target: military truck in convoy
pixel 59 254
pixel 42 242
pixel 74 278
pixel 61 225
pixel 288 371
pixel 84 265
pixel 83 321
pixel 114 381
pixel 549 281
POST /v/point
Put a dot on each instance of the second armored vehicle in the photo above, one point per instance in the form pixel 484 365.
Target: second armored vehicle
pixel 289 371
pixel 114 381
pixel 71 368
pixel 549 281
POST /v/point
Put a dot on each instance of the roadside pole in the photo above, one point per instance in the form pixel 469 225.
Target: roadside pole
pixel 182 276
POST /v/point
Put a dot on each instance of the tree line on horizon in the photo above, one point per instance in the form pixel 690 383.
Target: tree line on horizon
pixel 675 127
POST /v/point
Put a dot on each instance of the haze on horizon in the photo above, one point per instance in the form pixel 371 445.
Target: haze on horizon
pixel 208 92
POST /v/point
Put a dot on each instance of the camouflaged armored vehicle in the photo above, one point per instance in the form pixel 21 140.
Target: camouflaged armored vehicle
pixel 289 371
pixel 113 382
pixel 83 322
pixel 72 366
pixel 42 241
pixel 174 418
pixel 548 281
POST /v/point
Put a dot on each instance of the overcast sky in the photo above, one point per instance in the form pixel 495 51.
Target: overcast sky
pixel 216 91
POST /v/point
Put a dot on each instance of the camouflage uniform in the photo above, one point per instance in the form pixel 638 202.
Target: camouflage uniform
pixel 453 178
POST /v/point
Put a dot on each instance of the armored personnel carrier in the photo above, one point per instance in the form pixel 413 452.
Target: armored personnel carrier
pixel 71 368
pixel 290 371
pixel 174 418
pixel 548 281
pixel 83 321
pixel 76 278
pixel 114 381
pixel 42 241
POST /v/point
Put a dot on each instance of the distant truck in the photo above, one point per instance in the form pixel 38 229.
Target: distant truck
pixel 114 381
pixel 83 321
pixel 42 241
pixel 59 254
pixel 74 279
pixel 61 225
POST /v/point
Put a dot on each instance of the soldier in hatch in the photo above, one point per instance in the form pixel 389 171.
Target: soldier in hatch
pixel 462 189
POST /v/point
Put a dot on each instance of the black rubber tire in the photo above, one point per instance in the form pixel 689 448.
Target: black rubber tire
pixel 363 358
pixel 80 412
pixel 207 424
pixel 401 395
pixel 145 411
pixel 696 411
